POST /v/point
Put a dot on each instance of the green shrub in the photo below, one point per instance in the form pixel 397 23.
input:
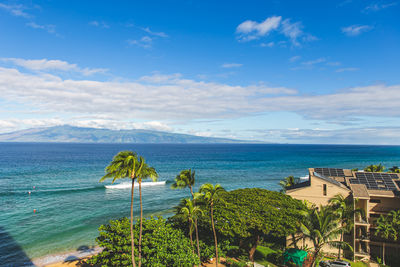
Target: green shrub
pixel 162 245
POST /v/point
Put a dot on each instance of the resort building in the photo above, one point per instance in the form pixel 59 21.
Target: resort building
pixel 377 194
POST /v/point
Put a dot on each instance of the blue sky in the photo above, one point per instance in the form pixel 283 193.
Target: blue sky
pixel 275 71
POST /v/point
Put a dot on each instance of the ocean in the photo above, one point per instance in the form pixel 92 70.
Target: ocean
pixel 71 204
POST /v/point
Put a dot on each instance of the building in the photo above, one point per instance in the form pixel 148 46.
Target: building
pixel 377 194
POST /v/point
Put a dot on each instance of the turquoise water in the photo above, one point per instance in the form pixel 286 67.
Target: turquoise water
pixel 71 203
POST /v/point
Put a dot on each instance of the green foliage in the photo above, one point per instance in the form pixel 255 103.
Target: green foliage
pixel 162 245
pixel 247 216
pixel 394 169
pixel 288 182
pixel 375 168
pixel 322 226
pixel 185 178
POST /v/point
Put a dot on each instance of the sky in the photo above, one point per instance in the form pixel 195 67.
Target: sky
pixel 315 72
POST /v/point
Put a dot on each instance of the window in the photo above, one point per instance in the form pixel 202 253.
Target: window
pixel 372 200
pixel 324 190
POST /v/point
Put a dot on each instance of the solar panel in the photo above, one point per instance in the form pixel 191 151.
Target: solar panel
pixel 330 172
pixel 375 181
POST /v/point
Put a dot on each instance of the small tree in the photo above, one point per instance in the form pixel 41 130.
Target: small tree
pixel 394 169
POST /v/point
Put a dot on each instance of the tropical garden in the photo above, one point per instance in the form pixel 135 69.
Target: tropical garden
pixel 213 226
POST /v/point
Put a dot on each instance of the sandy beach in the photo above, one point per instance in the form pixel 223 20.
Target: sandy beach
pixel 66 259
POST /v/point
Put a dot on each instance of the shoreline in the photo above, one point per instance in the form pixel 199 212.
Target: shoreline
pixel 65 257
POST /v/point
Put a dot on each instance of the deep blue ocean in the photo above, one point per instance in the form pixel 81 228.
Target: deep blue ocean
pixel 71 203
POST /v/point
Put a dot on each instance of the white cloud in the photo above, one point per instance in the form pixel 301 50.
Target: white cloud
pixel 270 44
pixel 347 69
pixel 231 65
pixel 313 62
pixel 49 28
pixel 15 10
pixel 172 97
pixel 378 6
pixel 101 24
pixel 292 30
pixel 355 30
pixel 250 30
pixel 49 65
pixel 145 42
pixel 159 34
pixel 294 58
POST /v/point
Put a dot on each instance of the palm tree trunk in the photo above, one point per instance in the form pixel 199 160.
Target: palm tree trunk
pixel 195 223
pixel 132 239
pixel 141 222
pixel 340 245
pixel 383 256
pixel 191 237
pixel 197 239
pixel 215 236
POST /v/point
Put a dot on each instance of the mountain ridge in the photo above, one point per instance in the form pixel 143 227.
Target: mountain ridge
pixel 74 134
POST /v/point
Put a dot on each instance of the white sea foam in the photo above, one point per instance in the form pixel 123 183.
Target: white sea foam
pixel 128 185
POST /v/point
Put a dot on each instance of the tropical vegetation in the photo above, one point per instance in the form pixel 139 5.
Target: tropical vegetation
pixel 288 182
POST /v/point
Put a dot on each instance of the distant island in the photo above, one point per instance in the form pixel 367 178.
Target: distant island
pixel 72 134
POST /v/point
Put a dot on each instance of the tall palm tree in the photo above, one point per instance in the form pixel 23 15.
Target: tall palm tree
pixel 124 164
pixel 288 182
pixel 187 179
pixel 375 168
pixel 191 213
pixel 144 171
pixel 344 209
pixel 385 229
pixel 321 227
pixel 394 169
pixel 211 194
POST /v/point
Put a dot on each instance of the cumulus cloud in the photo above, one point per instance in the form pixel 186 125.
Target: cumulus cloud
pixel 49 65
pixel 355 30
pixel 251 30
pixel 231 65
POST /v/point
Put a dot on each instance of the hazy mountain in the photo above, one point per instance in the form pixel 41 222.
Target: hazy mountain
pixel 71 134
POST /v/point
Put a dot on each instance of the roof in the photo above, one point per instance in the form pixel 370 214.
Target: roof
pixel 359 191
pixel 328 179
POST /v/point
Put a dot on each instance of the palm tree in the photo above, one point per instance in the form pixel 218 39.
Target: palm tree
pixel 186 179
pixel 288 182
pixel 321 227
pixel 384 228
pixel 211 194
pixel 144 171
pixel 191 212
pixel 124 164
pixel 394 169
pixel 375 168
pixel 344 209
